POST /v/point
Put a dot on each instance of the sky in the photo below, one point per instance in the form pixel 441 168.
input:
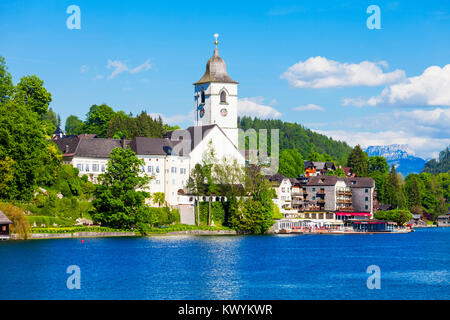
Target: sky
pixel 333 66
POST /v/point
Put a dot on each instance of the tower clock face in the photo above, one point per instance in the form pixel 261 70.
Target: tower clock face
pixel 201 112
pixel 223 112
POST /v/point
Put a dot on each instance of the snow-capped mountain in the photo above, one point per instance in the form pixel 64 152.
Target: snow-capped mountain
pixel 398 155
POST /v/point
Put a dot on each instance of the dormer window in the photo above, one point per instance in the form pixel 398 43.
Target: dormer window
pixel 223 97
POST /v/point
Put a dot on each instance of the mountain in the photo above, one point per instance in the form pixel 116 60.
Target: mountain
pixel 440 165
pixel 398 156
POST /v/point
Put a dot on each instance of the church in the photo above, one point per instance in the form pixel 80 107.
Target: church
pixel 170 159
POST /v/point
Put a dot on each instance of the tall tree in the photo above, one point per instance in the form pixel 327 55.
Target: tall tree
pixel 118 203
pixel 6 84
pixel 97 120
pixel 358 161
pixel 31 92
pixel 196 184
pixel 73 125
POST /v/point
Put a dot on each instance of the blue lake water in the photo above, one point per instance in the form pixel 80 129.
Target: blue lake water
pixel 413 266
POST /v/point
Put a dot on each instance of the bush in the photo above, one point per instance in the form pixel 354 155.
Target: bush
pixel 20 224
pixel 218 212
pixel 159 216
pixel 76 229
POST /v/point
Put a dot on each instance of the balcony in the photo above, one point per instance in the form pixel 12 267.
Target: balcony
pixel 344 201
pixel 320 200
pixel 321 192
pixel 348 209
pixel 312 208
pixel 297 194
pixel 344 192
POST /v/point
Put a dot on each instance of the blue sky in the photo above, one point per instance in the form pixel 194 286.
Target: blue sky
pixel 312 62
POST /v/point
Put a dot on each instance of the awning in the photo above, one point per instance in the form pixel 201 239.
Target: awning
pixel 349 214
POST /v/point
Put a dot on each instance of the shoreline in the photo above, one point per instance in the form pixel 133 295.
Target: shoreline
pixel 88 234
pixel 78 235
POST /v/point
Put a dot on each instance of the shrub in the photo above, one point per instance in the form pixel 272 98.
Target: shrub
pixel 20 224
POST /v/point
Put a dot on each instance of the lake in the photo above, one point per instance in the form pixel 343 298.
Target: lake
pixel 413 266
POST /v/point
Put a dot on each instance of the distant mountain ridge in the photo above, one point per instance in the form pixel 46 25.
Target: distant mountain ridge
pixel 398 156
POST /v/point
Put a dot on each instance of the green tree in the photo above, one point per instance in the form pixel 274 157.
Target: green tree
pixel 339 172
pixel 255 213
pixel 159 198
pixel 20 224
pixel 118 203
pixel 379 164
pixel 73 125
pixel 291 163
pixel 196 184
pixel 6 84
pixel 31 92
pixel 97 120
pixel 358 161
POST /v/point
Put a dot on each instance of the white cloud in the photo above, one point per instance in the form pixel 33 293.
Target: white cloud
pixel 319 72
pixel 98 77
pixel 143 67
pixel 84 68
pixel 175 119
pixel 309 107
pixel 421 146
pixel 431 88
pixel 254 107
pixel 120 67
pixel 425 131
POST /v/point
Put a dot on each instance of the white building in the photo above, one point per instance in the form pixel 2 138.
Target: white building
pixel 170 159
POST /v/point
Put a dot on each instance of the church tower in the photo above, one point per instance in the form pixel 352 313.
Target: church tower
pixel 216 97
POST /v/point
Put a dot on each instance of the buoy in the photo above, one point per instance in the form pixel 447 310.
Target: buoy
pixel 82 241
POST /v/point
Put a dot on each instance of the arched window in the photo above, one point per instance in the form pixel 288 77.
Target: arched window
pixel 203 97
pixel 223 97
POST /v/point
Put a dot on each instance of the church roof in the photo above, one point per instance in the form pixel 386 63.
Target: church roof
pixel 216 70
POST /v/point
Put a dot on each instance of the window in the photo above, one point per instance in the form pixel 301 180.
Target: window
pixel 367 190
pixel 367 198
pixel 173 169
pixel 87 167
pixel 157 168
pixel 143 169
pixel 314 198
pixel 283 189
pixel 223 97
pixel 313 189
pixel 103 168
pixel 366 207
pixel 95 167
pixel 202 97
pixel 80 167
pixel 150 169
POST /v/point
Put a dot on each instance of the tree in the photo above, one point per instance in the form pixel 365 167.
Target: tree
pixel 440 165
pixel 31 92
pixel 291 163
pixel 196 183
pixel 358 162
pixel 73 125
pixel 339 172
pixel 398 216
pixel 212 189
pixel 20 224
pixel 255 213
pixel 159 198
pixel 118 203
pixel 97 120
pixel 6 176
pixel 6 84
pixel 379 164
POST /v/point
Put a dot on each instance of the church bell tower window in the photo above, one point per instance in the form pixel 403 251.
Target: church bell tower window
pixel 202 97
pixel 223 97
